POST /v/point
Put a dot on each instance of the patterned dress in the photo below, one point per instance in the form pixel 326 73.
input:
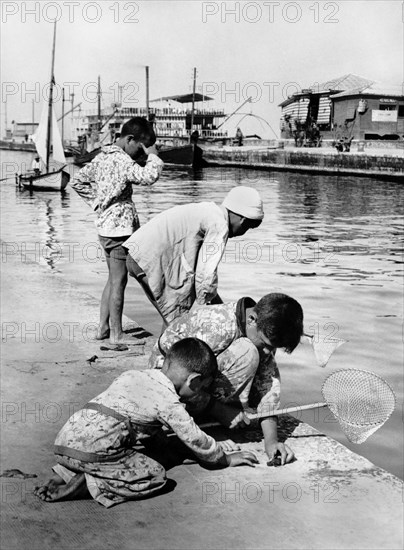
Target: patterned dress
pixel 99 439
pixel 106 185
pixel 247 378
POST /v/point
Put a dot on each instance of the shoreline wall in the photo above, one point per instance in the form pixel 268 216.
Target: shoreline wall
pixel 389 166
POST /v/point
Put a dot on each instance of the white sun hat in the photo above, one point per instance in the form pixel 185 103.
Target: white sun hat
pixel 244 201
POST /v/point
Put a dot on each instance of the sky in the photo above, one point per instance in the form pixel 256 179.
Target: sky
pixel 266 50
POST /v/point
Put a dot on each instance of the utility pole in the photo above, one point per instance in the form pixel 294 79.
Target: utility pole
pixel 193 104
pixel 99 104
pixel 147 92
pixel 33 117
pixel 5 116
pixel 73 132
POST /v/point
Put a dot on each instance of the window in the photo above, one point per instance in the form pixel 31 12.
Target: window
pixel 384 107
pixel 401 111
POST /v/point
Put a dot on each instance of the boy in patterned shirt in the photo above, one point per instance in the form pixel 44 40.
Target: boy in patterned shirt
pixel 106 185
pixel 95 448
pixel 244 336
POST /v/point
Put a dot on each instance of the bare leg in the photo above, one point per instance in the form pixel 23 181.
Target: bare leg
pixel 103 329
pixel 118 278
pixel 56 489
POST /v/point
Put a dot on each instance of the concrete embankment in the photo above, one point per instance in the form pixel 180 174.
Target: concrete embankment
pixel 381 164
pixel 328 498
pixel 17 146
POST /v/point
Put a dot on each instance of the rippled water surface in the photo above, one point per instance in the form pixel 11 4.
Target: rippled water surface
pixel 333 243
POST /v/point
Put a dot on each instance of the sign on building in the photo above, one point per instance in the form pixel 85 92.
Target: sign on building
pixel 384 116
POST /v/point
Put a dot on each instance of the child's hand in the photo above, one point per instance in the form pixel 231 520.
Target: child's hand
pixel 246 458
pixel 286 453
pixel 240 421
pixel 152 150
pixel 229 446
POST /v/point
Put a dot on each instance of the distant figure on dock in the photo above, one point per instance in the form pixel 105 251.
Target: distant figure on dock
pixel 295 127
pixel 195 136
pixel 314 136
pixel 106 185
pixel 343 144
pixel 36 166
pixel 301 140
pixel 177 253
pixel 239 137
pixel 347 144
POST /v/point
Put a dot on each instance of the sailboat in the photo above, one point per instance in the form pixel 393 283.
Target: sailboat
pixel 47 139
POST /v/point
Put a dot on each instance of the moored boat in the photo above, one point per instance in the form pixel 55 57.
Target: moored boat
pixel 50 181
pixel 47 139
pixel 82 158
pixel 178 127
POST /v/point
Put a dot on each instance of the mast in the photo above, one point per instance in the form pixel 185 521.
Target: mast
pixel 33 118
pixel 147 92
pixel 52 81
pixel 63 115
pixel 99 104
pixel 5 116
pixel 193 104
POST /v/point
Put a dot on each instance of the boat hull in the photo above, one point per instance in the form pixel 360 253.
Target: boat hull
pixel 181 154
pixel 51 181
pixel 85 158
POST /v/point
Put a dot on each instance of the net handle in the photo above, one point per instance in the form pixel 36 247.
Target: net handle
pixel 278 412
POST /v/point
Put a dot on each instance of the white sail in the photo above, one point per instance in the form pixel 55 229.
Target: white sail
pixel 39 138
pixel 58 153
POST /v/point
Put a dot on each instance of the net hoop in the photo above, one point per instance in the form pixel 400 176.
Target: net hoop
pixel 360 400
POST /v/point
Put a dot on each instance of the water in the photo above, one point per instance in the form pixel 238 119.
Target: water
pixel 332 243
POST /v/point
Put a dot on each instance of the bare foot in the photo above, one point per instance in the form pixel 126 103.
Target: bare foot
pixel 102 334
pixel 125 341
pixel 114 347
pixel 56 489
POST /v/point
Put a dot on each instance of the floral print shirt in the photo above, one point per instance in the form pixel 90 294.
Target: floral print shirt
pixel 220 326
pixel 106 185
pixel 148 400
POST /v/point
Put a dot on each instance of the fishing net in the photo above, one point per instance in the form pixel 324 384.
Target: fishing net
pixel 360 400
pixel 324 348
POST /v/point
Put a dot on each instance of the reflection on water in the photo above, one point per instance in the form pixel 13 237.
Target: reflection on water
pixel 333 243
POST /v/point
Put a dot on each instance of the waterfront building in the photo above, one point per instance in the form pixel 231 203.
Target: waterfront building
pixel 371 113
pixel 349 107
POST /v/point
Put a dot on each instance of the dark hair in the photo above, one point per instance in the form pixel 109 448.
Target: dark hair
pixel 280 318
pixel 194 355
pixel 140 128
pixel 252 224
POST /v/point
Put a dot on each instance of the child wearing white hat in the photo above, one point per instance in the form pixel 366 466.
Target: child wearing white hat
pixel 175 256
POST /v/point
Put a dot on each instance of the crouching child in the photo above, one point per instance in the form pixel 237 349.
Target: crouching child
pixel 95 450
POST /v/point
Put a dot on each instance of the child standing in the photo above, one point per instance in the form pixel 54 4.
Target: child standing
pixel 95 448
pixel 106 185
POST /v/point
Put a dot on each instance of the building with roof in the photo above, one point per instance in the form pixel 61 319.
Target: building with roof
pixel 373 112
pixel 346 107
pixel 23 129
